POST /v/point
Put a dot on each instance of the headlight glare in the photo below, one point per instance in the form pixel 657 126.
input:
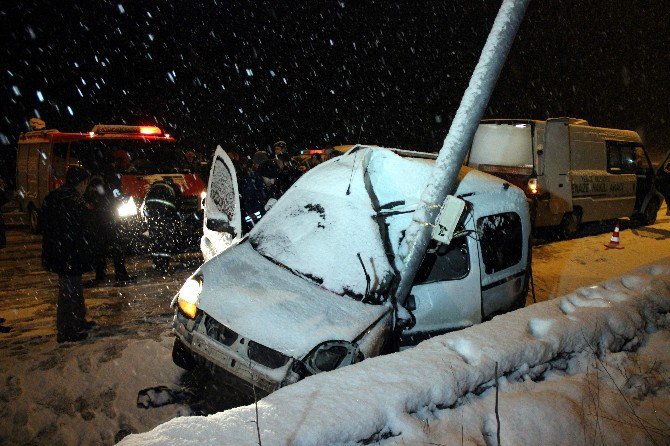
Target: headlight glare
pixel 128 208
pixel 189 294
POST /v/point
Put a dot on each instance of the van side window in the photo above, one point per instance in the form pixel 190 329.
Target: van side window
pixel 444 262
pixel 626 158
pixel 501 241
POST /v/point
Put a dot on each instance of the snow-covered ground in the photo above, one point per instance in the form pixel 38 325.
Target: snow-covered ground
pixel 123 381
pixel 591 367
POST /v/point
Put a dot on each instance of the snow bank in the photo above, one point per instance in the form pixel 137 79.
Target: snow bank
pixel 586 368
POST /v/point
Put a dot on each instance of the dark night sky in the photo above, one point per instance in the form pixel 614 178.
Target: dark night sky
pixel 246 73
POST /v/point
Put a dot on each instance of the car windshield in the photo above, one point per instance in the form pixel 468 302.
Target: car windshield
pixel 138 157
pixel 330 228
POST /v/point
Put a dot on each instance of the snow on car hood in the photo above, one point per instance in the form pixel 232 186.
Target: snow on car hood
pixel 267 303
pixel 330 217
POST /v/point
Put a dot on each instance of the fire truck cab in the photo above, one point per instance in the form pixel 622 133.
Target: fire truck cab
pixel 137 155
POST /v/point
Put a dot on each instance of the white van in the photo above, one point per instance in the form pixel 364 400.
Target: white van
pixel 311 287
pixel 571 172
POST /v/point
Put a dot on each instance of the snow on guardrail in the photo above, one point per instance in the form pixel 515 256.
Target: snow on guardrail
pixel 591 366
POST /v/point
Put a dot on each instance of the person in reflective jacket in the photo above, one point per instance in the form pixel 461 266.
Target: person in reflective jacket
pixel 160 209
pixel 102 202
pixel 256 191
pixel 68 250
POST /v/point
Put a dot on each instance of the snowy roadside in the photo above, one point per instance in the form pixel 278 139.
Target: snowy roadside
pixel 563 266
pixel 589 367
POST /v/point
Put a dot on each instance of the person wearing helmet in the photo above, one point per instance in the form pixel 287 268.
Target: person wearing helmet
pixel 257 189
pixel 160 211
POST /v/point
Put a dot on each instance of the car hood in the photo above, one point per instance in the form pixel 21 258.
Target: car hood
pixel 268 304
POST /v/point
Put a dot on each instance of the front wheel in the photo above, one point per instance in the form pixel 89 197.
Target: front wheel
pixel 182 357
pixel 648 217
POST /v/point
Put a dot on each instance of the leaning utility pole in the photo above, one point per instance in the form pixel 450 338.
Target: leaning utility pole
pixel 455 146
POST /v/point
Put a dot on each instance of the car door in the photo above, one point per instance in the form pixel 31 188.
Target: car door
pixel 446 294
pixel 663 178
pixel 222 224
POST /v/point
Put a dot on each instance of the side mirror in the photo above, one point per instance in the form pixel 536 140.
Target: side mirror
pixel 220 226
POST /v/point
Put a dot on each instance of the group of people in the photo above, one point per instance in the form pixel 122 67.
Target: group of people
pixel 263 181
pixel 79 235
pixel 80 229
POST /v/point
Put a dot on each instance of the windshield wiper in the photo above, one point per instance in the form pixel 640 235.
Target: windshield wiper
pixel 367 278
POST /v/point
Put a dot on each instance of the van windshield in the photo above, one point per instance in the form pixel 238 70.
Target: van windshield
pixel 328 227
pixel 502 145
pixel 130 156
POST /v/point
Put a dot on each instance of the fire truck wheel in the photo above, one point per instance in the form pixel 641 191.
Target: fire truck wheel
pixel 161 263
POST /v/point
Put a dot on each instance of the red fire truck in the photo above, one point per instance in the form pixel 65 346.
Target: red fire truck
pixel 139 156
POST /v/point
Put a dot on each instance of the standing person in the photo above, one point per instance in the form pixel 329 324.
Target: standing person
pixel 68 250
pixel 255 190
pixel 100 199
pixel 160 208
pixel 287 171
pixel 5 197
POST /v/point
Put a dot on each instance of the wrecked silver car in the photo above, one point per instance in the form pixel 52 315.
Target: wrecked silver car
pixel 310 288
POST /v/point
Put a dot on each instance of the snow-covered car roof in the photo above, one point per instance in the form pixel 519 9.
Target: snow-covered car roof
pixel 347 217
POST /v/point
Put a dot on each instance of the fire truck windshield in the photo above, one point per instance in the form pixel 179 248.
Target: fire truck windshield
pixel 130 156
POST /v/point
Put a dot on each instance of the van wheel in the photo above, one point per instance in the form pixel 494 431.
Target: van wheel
pixel 570 223
pixel 648 217
pixel 33 219
pixel 182 357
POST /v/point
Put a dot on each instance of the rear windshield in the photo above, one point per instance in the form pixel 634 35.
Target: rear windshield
pixel 129 156
pixel 502 145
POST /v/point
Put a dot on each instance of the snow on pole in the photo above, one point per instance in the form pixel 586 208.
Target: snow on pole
pixel 455 146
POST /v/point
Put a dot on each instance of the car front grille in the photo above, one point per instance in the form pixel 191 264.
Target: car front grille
pixel 266 356
pixel 219 332
pixel 256 352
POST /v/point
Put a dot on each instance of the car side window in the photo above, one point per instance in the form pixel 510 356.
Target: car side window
pixel 501 241
pixel 444 262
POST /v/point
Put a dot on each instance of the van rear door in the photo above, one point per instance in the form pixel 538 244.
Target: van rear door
pixel 556 165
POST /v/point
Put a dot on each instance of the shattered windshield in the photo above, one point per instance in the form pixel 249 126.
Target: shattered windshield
pixel 329 229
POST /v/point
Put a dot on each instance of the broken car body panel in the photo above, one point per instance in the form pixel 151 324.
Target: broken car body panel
pixel 312 281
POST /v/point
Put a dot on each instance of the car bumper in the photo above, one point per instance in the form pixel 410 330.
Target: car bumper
pixel 231 359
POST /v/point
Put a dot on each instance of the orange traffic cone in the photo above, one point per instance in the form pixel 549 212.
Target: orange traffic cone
pixel 614 240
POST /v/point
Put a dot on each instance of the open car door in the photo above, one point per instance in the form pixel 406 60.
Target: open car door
pixel 222 218
pixel 663 178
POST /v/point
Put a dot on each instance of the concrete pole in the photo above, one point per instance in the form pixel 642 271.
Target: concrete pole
pixel 458 140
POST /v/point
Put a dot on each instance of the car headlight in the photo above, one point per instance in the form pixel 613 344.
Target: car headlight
pixel 331 355
pixel 128 208
pixel 188 295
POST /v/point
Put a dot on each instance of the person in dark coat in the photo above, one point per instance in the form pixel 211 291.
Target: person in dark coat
pixel 68 250
pixel 287 171
pixel 100 199
pixel 5 197
pixel 256 190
